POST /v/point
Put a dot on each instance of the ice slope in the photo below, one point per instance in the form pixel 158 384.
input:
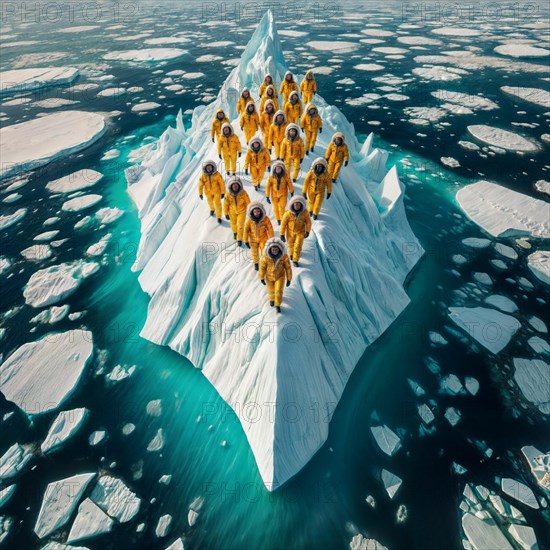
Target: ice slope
pixel 282 374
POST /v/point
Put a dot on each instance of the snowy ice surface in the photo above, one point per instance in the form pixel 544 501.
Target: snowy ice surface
pixel 90 522
pixel 521 50
pixel 491 328
pixel 115 499
pixel 39 376
pixel 204 291
pixel 146 54
pixel 13 461
pixel 539 264
pixel 387 440
pixel 537 96
pixel 36 142
pixel 503 212
pixel 502 138
pixel 74 182
pixel 63 427
pixel 20 80
pixel 532 378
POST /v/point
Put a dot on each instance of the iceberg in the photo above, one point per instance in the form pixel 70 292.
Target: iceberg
pixel 206 301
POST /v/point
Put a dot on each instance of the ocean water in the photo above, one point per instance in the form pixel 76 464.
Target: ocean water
pixel 205 450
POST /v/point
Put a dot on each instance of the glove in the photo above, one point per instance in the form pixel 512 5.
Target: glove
pixel 288 283
pixel 302 130
pixel 247 245
pixel 320 130
pixel 292 194
pixel 306 235
pixel 301 160
pixel 305 196
pixel 283 238
pixel 269 168
pixel 262 281
pixel 227 217
pixel 223 196
pixel 246 171
pixel 201 197
pixel 212 140
pixel 220 157
pixel 240 155
pixel 242 128
pixel 346 163
pixel 270 150
pixel 328 195
pixel 268 200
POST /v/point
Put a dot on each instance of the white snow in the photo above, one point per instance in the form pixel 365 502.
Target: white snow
pixel 520 492
pixel 108 215
pixel 146 54
pixel 200 286
pixel 112 92
pixel 20 80
pixel 532 378
pixel 13 461
pixel 90 522
pixel 63 427
pixel 391 482
pixel 521 50
pixel 450 162
pixel 176 545
pixel 491 328
pixel 37 252
pixel 504 139
pixel 503 212
pixel 115 499
pixel 36 142
pixel 536 96
pixel 387 440
pixel 39 376
pixel 524 535
pixel 539 264
pixel 80 203
pixel 60 500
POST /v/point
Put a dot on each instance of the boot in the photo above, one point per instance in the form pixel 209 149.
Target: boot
pixel 256 267
pixel 219 220
pixel 296 264
pixel 211 212
pixel 279 222
pixel 278 309
pixel 239 243
pixel 272 303
pixel 314 216
pixel 333 180
pixel 235 236
pixel 228 173
pixel 307 152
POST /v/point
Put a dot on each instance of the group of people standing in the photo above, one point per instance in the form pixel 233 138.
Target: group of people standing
pixel 280 133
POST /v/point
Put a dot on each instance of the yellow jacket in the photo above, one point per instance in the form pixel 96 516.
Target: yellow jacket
pixel 287 88
pixel 217 124
pixel 250 121
pixel 292 149
pixel 308 86
pixel 295 224
pixel 317 184
pixel 275 269
pixel 337 154
pixel 241 105
pixel 261 159
pixel 266 120
pixel 230 146
pixel 235 205
pixel 311 123
pixel 277 133
pixel 211 185
pixel 273 98
pixel 264 85
pixel 293 111
pixel 257 232
pixel 278 187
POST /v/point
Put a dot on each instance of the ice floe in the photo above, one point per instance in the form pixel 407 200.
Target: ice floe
pixel 23 80
pixel 359 542
pixel 521 50
pixel 163 526
pixel 80 203
pixel 501 302
pixel 66 424
pixel 14 461
pixel 387 440
pixel 115 498
pixel 539 264
pixel 532 375
pixel 90 522
pixel 536 96
pixel 391 482
pixel 504 139
pixel 8 220
pixel 146 54
pixel 520 492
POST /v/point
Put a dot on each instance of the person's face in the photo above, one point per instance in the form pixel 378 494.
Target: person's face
pixel 338 141
pixel 294 98
pixel 319 169
pixel 312 112
pixel 235 187
pixel 257 212
pixel 268 79
pixel 209 169
pixel 296 206
pixel 274 250
pixel 289 77
pixel 246 93
pixel 221 115
pixel 250 108
pixel 256 146
pixel 226 131
pixel 292 133
pixel 269 108
pixel 270 91
pixel 280 119
pixel 309 76
pixel 278 170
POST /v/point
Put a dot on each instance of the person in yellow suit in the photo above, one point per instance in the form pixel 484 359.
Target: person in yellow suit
pixel 243 100
pixel 257 160
pixel 230 148
pixel 308 87
pixel 275 270
pixel 279 185
pixel 293 108
pixel 266 120
pixel 337 154
pixel 270 94
pixel 292 150
pixel 268 81
pixel 250 121
pixel 287 86
pixel 212 185
pixel 234 206
pixel 257 230
pixel 277 132
pixel 219 120
pixel 317 183
pixel 295 227
pixel 312 124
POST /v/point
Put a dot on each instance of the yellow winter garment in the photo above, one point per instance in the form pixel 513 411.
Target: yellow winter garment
pixel 234 206
pixel 296 224
pixel 292 151
pixel 308 87
pixel 288 86
pixel 311 124
pixel 217 124
pixel 266 120
pixel 213 186
pixel 244 100
pixel 277 132
pixel 266 97
pixel 268 81
pixel 257 161
pixel 275 271
pixel 230 148
pixel 336 155
pixel 293 110
pixel 257 230
pixel 250 122
pixel 277 189
pixel 316 185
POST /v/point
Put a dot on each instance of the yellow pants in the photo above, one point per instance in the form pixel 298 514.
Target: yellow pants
pixel 215 203
pixel 314 202
pixel 230 163
pixel 277 145
pixel 296 163
pixel 275 289
pixel 257 175
pixel 334 168
pixel 249 133
pixel 311 139
pixel 295 243
pixel 279 205
pixel 256 250
pixel 307 97
pixel 237 224
pixel 267 143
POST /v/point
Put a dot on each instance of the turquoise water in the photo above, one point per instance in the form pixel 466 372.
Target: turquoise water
pixel 324 506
